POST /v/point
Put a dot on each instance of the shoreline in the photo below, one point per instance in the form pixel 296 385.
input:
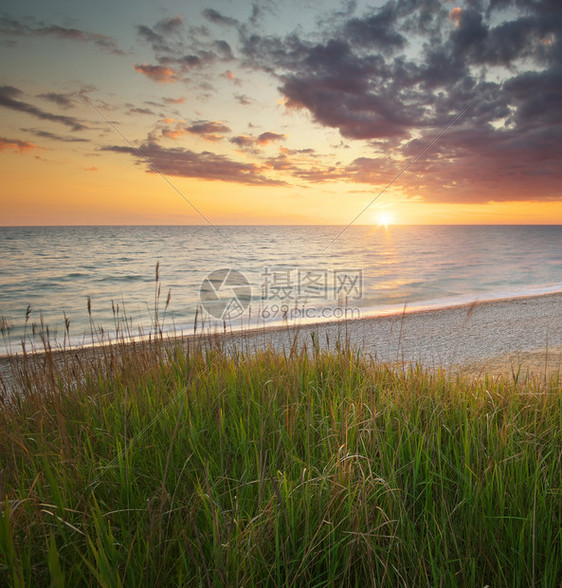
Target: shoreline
pixel 250 330
pixel 459 336
pixel 452 336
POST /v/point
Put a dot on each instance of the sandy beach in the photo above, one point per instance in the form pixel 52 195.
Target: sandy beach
pixel 501 336
pixel 461 335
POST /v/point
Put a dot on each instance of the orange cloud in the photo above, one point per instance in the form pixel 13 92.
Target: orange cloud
pixel 208 130
pixel 455 15
pixel 230 76
pixel 174 133
pixel 16 145
pixel 157 73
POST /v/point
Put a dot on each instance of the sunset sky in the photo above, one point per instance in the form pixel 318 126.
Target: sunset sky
pixel 241 112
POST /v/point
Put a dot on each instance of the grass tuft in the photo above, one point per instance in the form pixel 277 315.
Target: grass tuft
pixel 149 464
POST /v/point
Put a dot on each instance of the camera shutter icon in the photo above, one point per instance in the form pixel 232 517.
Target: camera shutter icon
pixel 225 294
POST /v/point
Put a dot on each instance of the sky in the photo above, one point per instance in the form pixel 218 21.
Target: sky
pixel 294 112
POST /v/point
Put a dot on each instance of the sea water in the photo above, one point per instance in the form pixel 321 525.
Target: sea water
pixel 79 280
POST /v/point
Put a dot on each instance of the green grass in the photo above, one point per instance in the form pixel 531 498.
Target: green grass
pixel 205 468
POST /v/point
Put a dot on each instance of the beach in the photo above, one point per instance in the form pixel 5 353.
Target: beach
pixel 496 337
pixel 453 336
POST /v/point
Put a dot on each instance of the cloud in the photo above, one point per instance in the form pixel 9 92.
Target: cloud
pixel 11 26
pixel 157 73
pixel 171 25
pixel 269 137
pixel 152 37
pixel 224 50
pixel 16 145
pixel 55 137
pixel 205 127
pixel 63 100
pixel 208 130
pixel 189 164
pixel 231 77
pixel 216 17
pixel 250 143
pixel 473 165
pixel 138 110
pixel 243 99
pixel 179 100
pixel 376 30
pixel 179 50
pixel 8 96
pixel 301 165
pixel 164 34
pixel 243 141
pixel 455 16
pixel 395 76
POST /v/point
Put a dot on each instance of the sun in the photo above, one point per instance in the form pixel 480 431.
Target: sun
pixel 384 219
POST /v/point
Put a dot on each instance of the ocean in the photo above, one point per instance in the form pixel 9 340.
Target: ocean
pixel 75 280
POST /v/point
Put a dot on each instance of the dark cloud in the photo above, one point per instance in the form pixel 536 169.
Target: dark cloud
pixel 138 110
pixel 482 166
pixel 164 34
pixel 216 17
pixel 376 30
pixel 62 100
pixel 208 130
pixel 280 163
pixel 243 99
pixel 170 26
pixel 398 74
pixel 182 53
pixel 188 62
pixel 269 137
pixel 153 38
pixel 301 164
pixel 305 151
pixel 11 26
pixel 243 141
pixel 8 96
pixel 224 50
pixel 248 142
pixel 157 39
pixel 55 137
pixel 189 164
pixel 205 127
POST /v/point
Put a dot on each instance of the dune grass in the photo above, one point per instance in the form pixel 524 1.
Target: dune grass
pixel 199 466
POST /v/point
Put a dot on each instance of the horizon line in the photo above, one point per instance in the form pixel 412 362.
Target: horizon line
pixel 202 225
